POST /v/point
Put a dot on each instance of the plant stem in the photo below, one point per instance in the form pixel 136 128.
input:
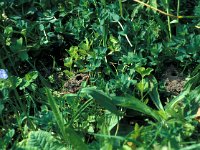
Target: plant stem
pixel 158 10
pixel 120 8
pixel 142 91
pixel 166 14
pixel 126 36
pixel 168 20
pixel 178 9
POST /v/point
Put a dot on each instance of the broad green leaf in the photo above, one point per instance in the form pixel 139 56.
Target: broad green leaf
pixel 68 62
pixel 41 27
pixel 41 140
pixel 143 72
pixel 5 84
pixel 17 45
pixel 143 85
pixel 114 16
pixel 135 104
pixel 8 31
pixel 156 49
pixel 7 139
pixel 73 51
pixel 23 32
pixel 113 44
pixel 114 120
pixel 147 72
pixel 8 41
pixel 113 39
pixel 131 58
pixel 102 99
pixel 140 70
pixel 84 46
pixel 16 81
pixel 28 79
pixel 23 56
pixel 31 76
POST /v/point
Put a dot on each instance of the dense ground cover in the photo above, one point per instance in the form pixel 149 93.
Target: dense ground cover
pixel 101 74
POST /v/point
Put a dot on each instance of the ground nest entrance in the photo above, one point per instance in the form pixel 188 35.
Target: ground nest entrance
pixel 173 80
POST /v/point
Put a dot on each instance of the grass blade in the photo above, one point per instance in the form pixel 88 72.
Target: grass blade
pixel 68 133
pixel 155 95
pixel 177 99
pixel 56 112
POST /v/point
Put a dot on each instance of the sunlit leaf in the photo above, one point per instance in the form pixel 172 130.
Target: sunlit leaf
pixel 143 85
pixel 8 31
pixel 143 72
pixel 68 62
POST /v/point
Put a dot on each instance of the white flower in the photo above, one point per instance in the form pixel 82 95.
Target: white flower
pixel 3 74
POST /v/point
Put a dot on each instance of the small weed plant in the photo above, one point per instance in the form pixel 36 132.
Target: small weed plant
pixel 99 74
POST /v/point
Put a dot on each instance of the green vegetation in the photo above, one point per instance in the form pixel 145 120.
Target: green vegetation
pixel 99 74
